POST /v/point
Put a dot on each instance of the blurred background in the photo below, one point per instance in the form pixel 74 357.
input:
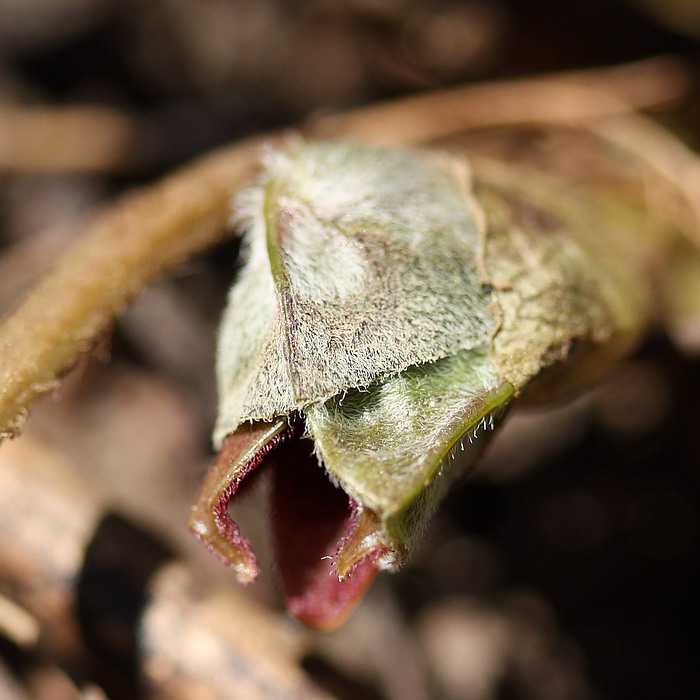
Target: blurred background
pixel 565 568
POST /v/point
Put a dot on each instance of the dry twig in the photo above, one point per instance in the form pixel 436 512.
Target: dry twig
pixel 78 139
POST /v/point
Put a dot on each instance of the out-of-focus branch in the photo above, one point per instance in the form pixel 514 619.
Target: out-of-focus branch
pixel 147 233
pixel 144 235
pixel 62 551
pixel 575 97
pixel 43 538
pixel 78 138
pixel 92 138
pixel 668 157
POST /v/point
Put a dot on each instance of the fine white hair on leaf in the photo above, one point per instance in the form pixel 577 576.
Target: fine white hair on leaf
pixel 392 448
pixel 360 262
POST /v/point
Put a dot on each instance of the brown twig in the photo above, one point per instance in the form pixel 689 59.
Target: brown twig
pixel 576 97
pixel 143 236
pixel 667 157
pixel 91 138
pixel 78 139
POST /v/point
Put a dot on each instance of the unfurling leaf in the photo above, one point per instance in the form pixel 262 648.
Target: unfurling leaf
pixel 361 263
pixel 388 310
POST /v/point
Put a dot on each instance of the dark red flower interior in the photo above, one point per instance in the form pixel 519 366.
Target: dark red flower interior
pixel 311 519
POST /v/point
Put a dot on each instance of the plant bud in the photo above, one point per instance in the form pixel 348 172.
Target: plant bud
pixel 387 312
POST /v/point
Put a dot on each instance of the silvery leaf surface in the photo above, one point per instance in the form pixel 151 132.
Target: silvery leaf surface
pixel 396 447
pixel 361 262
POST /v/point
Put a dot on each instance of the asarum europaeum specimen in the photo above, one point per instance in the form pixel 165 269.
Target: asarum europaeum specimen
pixel 390 306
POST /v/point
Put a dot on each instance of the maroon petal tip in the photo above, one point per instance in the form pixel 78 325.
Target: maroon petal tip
pixel 328 600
